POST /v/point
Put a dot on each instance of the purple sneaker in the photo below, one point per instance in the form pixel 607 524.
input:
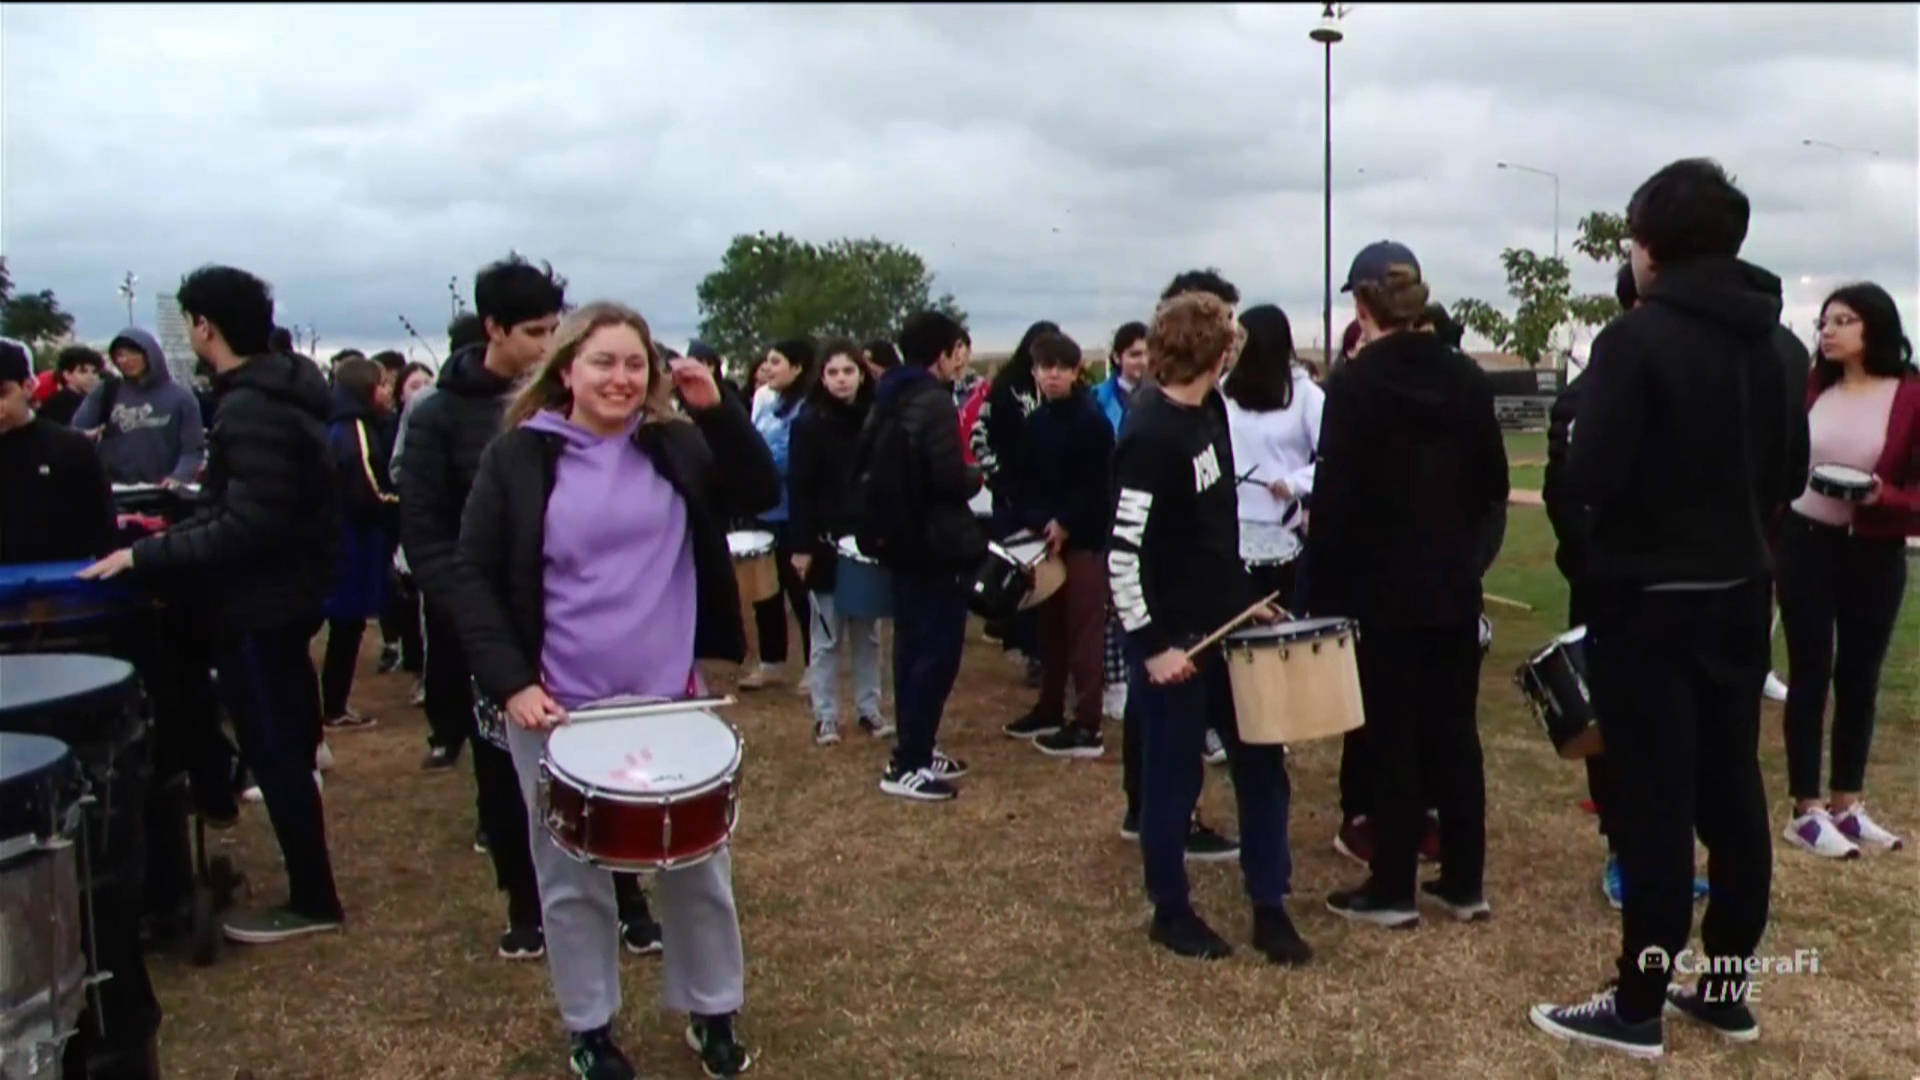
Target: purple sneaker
pixel 1855 825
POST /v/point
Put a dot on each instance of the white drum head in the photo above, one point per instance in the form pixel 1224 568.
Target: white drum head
pixel 849 548
pixel 646 755
pixel 1844 474
pixel 1027 552
pixel 746 545
pixel 1268 542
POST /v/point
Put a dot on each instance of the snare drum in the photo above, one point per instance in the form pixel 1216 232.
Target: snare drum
pixel 753 565
pixel 1843 482
pixel 43 976
pixel 647 792
pixel 1267 543
pixel 1017 574
pixel 1554 681
pixel 1294 681
pixel 862 588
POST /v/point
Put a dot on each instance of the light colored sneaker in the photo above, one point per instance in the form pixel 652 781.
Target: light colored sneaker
pixel 1814 831
pixel 825 732
pixel 760 676
pixel 1855 825
pixel 253 797
pixel 1775 689
pixel 323 757
pixel 1216 754
pixel 1113 701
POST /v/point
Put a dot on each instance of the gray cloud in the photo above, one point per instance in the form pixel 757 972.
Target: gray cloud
pixel 1049 161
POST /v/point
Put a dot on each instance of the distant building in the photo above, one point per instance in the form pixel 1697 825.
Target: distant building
pixel 172 331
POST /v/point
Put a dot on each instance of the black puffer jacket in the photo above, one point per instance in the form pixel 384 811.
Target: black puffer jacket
pixel 262 544
pixel 912 483
pixel 717 463
pixel 820 509
pixel 446 434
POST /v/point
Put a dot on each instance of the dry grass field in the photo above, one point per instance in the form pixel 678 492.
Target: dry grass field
pixel 1003 935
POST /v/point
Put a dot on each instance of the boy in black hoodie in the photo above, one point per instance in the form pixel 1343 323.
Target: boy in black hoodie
pixel 1689 438
pixel 1060 493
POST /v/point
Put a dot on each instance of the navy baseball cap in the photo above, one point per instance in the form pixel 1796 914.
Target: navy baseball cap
pixel 16 361
pixel 1376 259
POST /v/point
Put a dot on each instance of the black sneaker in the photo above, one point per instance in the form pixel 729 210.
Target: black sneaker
pixel 1071 742
pixel 639 933
pixel 919 784
pixel 389 659
pixel 1186 934
pixel 1276 938
pixel 1130 826
pixel 1733 1020
pixel 947 768
pixel 1206 845
pixel 1031 726
pixel 1462 908
pixel 1360 905
pixel 1594 1023
pixel 595 1057
pixel 440 758
pixel 722 1054
pixel 524 942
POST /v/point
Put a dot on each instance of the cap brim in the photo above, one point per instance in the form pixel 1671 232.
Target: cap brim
pixel 1348 287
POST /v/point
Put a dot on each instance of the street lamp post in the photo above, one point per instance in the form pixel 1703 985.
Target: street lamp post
pixel 127 293
pixel 1328 33
pixel 1821 144
pixel 1555 177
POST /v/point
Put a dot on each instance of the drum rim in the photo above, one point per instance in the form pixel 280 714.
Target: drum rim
pixel 653 798
pixel 647 866
pixel 121 688
pixel 1851 475
pixel 1248 636
pixel 758 548
pixel 842 543
pixel 1560 641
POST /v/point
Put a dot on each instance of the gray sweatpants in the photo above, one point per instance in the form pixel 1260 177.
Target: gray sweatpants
pixel 699 927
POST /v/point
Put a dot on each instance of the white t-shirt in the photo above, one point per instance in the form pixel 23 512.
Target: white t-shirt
pixel 1277 445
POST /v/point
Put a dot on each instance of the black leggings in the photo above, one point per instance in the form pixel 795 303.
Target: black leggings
pixel 769 621
pixel 1839 598
pixel 400 625
pixel 337 664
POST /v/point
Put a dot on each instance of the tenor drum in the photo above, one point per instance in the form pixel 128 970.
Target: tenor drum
pixel 753 565
pixel 44 606
pixel 44 968
pixel 1843 482
pixel 1017 574
pixel 1267 543
pixel 1554 681
pixel 1294 681
pixel 862 588
pixel 648 792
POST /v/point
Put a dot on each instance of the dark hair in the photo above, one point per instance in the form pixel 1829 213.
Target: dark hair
pixel 238 305
pixel 400 380
pixel 800 353
pixel 514 291
pixel 1055 349
pixel 819 395
pixel 665 352
pixel 1207 281
pixel 345 355
pixel 1350 337
pixel 1396 301
pixel 1888 352
pixel 390 360
pixel 280 341
pixel 1262 379
pixel 1019 366
pixel 882 353
pixel 1123 340
pixel 1689 210
pixel 927 336
pixel 1625 289
pixel 78 356
pixel 466 330
pixel 357 377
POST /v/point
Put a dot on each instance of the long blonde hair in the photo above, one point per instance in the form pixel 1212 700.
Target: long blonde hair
pixel 545 390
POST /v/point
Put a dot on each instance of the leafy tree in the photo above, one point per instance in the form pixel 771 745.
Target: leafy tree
pixel 1542 288
pixel 34 318
pixel 773 287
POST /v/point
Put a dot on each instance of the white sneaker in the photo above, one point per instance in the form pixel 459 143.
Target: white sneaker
pixel 760 676
pixel 1216 754
pixel 1113 702
pixel 1775 689
pixel 1814 831
pixel 1855 825
pixel 323 757
pixel 419 695
pixel 253 797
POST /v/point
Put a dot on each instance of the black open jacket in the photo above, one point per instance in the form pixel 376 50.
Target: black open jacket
pixel 820 476
pixel 717 463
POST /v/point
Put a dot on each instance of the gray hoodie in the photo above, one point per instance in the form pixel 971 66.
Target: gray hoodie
pixel 151 424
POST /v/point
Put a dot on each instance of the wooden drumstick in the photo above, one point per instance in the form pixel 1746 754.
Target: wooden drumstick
pixel 647 708
pixel 1506 602
pixel 1231 624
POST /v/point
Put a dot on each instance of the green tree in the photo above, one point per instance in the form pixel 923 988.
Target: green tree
pixel 773 287
pixel 34 318
pixel 1542 289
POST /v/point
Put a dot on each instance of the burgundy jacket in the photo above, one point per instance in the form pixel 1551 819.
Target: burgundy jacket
pixel 1897 514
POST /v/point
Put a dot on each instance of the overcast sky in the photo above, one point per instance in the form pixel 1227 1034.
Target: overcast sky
pixel 1049 162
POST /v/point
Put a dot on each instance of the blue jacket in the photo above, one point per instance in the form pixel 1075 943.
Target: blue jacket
pixel 1112 400
pixel 773 419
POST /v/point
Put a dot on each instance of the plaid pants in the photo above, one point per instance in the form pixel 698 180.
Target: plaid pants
pixel 1116 662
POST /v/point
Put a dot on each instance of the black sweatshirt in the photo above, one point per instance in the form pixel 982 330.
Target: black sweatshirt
pixel 1174 560
pixel 1691 430
pixel 1062 474
pixel 55 502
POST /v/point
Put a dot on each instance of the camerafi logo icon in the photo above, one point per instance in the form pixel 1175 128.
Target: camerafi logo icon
pixel 1655 958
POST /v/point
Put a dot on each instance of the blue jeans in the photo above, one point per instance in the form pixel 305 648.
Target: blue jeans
pixel 929 630
pixel 1173 729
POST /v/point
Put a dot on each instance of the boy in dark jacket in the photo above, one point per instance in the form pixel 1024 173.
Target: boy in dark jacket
pixel 1061 495
pixel 53 491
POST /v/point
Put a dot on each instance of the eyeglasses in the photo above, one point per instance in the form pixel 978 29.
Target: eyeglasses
pixel 1837 322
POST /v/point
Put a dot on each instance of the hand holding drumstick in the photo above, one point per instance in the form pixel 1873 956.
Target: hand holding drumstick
pixel 1176 665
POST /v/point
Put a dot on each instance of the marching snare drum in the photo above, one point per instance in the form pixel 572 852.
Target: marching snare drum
pixel 652 787
pixel 753 565
pixel 862 588
pixel 1554 681
pixel 1294 681
pixel 1267 543
pixel 981 504
pixel 1017 574
pixel 43 976
pixel 1843 482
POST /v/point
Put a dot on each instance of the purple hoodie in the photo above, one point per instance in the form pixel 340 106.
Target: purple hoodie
pixel 620 594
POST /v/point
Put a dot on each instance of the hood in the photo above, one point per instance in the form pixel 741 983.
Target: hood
pixel 345 407
pixel 1074 400
pixel 1738 295
pixel 292 379
pixel 898 381
pixel 157 373
pixel 833 411
pixel 1412 378
pixel 465 373
pixel 572 434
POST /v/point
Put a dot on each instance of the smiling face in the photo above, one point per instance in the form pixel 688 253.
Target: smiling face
pixel 777 372
pixel 608 379
pixel 1843 337
pixel 841 377
pixel 1133 362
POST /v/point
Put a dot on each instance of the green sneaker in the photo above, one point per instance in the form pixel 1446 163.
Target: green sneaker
pixel 266 926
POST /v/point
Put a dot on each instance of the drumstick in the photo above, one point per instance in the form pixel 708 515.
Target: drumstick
pixel 1228 628
pixel 650 708
pixel 1509 603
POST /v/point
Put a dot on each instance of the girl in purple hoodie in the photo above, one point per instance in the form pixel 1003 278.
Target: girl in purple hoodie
pixel 593 564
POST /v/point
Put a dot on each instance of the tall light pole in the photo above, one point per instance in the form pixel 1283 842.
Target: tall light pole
pixel 1821 144
pixel 1328 33
pixel 1553 176
pixel 127 293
